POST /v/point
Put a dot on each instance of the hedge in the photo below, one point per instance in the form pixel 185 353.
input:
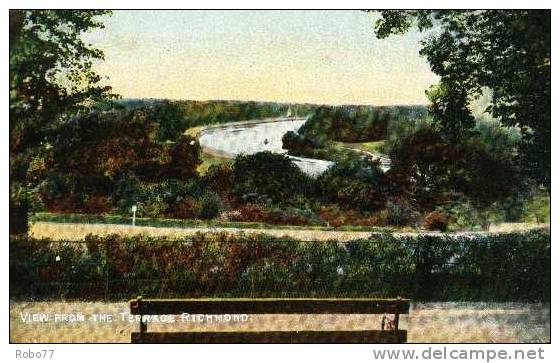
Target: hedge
pixel 497 267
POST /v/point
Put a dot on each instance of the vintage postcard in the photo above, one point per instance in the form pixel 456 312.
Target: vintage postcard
pixel 286 176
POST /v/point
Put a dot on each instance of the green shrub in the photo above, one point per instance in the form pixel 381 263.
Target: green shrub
pixel 502 267
pixel 400 212
pixel 355 184
pixel 538 209
pixel 150 198
pixel 348 124
pixel 210 205
pixel 299 145
pixel 128 192
pixel 268 178
pixel 463 216
pixel 153 207
pixel 219 178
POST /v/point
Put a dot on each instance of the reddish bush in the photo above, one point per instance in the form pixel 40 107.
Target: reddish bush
pixel 253 213
pixel 285 217
pixel 185 158
pixel 337 217
pixel 116 253
pixel 436 221
pixel 97 204
pixel 188 208
pixel 77 203
pixel 256 213
pixel 61 205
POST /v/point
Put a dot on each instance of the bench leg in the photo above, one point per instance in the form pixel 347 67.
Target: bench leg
pixel 143 325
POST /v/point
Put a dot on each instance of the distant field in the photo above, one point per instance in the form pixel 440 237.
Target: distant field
pixel 427 323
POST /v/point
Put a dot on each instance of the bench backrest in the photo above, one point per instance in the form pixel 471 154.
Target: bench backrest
pixel 269 306
pixel 396 307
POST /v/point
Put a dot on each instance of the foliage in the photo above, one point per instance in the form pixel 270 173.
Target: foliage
pixel 273 215
pixel 103 145
pixel 113 157
pixel 51 75
pixel 335 217
pixel 219 178
pixel 107 161
pixel 503 267
pixel 345 123
pixel 538 208
pixel 437 171
pixel 464 216
pixel 21 201
pixel 436 221
pixel 174 117
pixel 268 177
pixel 210 205
pixel 187 208
pixel 506 51
pixel 298 144
pixel 400 212
pixel 184 158
pixel 355 184
pixel 50 70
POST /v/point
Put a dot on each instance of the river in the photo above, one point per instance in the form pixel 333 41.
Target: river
pixel 250 137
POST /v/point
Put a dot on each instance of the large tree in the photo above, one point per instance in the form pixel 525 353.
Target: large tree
pixel 51 76
pixel 504 51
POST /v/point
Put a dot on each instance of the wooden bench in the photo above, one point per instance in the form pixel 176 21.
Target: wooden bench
pixel 388 333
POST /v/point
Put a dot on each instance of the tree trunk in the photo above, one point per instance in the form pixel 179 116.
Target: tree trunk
pixel 19 218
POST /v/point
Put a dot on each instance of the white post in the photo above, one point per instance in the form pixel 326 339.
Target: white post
pixel 133 215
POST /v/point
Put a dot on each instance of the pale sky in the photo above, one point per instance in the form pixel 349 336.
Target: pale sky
pixel 327 57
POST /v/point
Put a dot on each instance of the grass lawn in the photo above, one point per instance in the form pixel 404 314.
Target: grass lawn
pixel 194 131
pixel 209 160
pixel 375 147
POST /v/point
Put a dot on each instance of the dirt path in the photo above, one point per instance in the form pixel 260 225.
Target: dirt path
pixel 68 231
pixel 434 322
pixel 79 231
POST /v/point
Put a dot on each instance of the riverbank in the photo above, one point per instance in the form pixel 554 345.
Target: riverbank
pixel 199 131
pixel 253 136
pixel 211 156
